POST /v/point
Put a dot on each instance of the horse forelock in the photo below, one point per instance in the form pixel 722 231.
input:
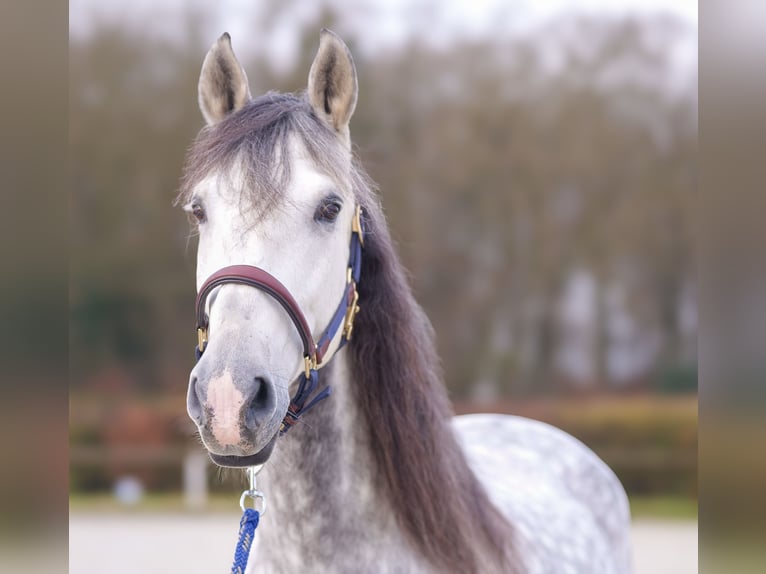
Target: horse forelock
pixel 249 151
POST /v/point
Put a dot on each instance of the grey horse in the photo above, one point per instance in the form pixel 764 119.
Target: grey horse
pixel 379 477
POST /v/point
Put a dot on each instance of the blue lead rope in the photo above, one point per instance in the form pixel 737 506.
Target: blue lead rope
pixel 247 527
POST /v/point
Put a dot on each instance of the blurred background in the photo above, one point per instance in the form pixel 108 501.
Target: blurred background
pixel 537 163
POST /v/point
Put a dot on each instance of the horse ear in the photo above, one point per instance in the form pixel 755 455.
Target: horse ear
pixel 332 86
pixel 222 85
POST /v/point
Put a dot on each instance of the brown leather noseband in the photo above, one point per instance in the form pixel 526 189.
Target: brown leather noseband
pixel 260 279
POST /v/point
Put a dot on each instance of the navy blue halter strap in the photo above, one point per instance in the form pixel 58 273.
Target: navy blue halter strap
pixel 348 302
pixel 313 353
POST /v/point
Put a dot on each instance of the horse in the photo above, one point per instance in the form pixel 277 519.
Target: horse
pixel 378 476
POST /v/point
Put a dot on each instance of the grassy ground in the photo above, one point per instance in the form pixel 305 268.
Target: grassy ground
pixel 658 507
pixel 663 507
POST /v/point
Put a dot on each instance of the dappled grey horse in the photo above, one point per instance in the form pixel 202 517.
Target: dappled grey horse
pixel 379 476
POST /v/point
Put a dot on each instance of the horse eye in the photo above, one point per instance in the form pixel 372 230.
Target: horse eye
pixel 198 212
pixel 328 210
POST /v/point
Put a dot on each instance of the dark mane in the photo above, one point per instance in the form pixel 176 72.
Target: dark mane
pixel 438 500
pixel 423 473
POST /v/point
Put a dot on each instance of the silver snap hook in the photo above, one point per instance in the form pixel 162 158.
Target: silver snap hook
pixel 253 493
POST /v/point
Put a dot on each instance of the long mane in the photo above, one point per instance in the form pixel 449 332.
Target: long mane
pixel 400 391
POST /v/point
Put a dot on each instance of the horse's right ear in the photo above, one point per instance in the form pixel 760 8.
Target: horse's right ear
pixel 222 85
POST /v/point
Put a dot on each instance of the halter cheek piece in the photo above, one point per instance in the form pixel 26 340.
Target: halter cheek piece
pixel 313 353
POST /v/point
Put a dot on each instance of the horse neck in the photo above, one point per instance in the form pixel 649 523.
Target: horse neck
pixel 322 492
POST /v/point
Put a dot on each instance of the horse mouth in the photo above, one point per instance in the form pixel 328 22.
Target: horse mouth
pixel 233 461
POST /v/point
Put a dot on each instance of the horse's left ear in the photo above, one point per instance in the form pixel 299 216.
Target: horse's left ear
pixel 332 83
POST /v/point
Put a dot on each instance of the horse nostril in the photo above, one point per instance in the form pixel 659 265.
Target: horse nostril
pixel 193 404
pixel 262 392
pixel 262 403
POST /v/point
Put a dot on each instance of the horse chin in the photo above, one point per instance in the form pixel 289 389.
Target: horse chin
pixel 233 461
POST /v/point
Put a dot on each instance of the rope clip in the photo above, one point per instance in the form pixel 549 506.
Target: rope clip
pixel 253 493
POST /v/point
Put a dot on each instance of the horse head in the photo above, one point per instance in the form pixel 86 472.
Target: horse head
pixel 269 186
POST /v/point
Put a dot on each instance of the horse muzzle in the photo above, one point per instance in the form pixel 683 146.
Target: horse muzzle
pixel 237 419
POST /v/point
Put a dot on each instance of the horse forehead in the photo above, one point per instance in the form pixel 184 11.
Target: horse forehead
pixel 307 180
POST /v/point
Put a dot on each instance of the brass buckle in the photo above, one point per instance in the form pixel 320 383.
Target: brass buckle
pixel 353 309
pixel 201 339
pixel 356 224
pixel 309 364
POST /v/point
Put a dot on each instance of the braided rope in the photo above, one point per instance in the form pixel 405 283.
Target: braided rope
pixel 247 527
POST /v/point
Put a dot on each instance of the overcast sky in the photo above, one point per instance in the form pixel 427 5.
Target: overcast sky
pixel 386 20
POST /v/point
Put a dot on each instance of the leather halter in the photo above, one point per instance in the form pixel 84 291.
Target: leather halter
pixel 313 353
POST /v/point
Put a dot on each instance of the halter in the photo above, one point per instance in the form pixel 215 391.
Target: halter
pixel 313 353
